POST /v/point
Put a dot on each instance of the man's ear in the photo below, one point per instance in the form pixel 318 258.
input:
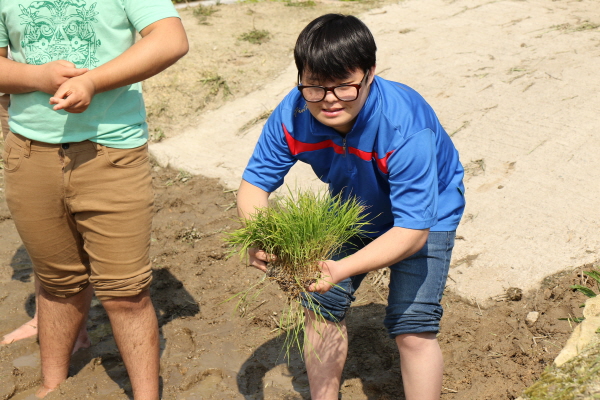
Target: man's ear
pixel 372 74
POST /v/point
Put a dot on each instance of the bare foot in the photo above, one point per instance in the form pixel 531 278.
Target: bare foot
pixel 43 391
pixel 25 331
pixel 83 341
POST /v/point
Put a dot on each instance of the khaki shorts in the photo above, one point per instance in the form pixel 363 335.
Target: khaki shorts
pixel 4 101
pixel 84 213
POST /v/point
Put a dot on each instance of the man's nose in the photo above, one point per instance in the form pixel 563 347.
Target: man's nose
pixel 330 97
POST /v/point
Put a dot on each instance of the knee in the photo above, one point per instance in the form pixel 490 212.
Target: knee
pixel 57 287
pixel 129 304
pixel 416 342
pixel 111 287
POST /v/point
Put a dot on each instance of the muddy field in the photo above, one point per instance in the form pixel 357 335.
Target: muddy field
pixel 210 349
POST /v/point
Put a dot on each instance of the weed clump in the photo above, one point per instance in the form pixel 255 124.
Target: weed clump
pixel 256 36
pixel 574 380
pixel 203 12
pixel 302 3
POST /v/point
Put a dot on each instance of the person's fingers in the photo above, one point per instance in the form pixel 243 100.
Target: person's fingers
pixel 260 265
pixel 65 63
pixel 320 286
pixel 76 108
pixel 62 93
pixel 264 256
pixel 78 72
pixel 63 104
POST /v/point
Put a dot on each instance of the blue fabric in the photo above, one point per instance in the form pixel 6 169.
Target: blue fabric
pixel 397 159
pixel 416 287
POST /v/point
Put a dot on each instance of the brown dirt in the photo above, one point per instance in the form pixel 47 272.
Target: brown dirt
pixel 210 350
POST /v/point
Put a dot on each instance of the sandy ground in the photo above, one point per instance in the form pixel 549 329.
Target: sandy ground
pixel 512 81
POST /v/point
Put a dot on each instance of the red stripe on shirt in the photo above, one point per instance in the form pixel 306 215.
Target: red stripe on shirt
pixel 297 147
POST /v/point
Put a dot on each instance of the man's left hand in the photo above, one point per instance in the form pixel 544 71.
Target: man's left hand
pixel 330 276
pixel 75 95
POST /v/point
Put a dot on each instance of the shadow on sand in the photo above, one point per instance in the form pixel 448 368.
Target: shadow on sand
pixel 372 359
pixel 169 296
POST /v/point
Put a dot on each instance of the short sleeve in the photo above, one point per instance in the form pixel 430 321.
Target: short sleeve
pixel 414 182
pixel 3 32
pixel 271 160
pixel 142 13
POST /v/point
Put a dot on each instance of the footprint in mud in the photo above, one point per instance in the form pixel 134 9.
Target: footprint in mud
pixel 31 360
pixel 26 395
pixel 204 384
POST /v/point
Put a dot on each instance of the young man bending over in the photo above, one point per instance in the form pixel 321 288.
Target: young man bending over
pixel 380 141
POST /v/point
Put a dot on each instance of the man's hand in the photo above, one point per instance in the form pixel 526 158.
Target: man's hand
pixel 330 276
pixel 74 95
pixel 56 73
pixel 259 258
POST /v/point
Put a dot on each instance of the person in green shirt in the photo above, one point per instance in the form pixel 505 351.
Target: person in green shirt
pixel 76 167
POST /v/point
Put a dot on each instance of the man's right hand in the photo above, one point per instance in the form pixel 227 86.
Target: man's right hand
pixel 54 74
pixel 259 258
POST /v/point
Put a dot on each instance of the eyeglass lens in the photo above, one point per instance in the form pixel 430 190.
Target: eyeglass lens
pixel 344 93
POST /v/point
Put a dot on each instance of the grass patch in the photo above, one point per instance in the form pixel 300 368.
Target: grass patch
pixel 584 26
pixel 299 230
pixel 256 36
pixel 216 84
pixel 203 12
pixel 157 135
pixel 576 379
pixel 308 3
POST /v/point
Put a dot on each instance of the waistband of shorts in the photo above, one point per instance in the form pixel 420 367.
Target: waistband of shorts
pixel 33 145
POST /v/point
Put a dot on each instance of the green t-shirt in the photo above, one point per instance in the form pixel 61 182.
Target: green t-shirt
pixel 87 33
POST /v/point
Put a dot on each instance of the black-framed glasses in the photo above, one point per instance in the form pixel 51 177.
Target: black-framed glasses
pixel 347 92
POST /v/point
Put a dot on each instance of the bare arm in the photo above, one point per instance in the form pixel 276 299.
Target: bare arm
pixel 24 78
pixel 163 43
pixel 391 247
pixel 249 198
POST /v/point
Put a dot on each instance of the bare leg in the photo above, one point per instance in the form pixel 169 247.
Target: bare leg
pixel 30 328
pixel 135 328
pixel 60 321
pixel 325 351
pixel 422 366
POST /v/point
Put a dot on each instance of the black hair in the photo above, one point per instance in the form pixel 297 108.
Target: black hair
pixel 333 46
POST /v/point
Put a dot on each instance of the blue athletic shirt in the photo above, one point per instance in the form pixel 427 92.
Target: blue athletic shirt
pixel 397 159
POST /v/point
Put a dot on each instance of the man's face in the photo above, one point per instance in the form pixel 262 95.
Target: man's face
pixel 332 112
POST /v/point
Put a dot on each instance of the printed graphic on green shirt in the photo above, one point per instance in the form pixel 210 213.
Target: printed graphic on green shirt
pixel 60 30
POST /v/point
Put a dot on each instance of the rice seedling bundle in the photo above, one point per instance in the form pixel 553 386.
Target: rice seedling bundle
pixel 299 230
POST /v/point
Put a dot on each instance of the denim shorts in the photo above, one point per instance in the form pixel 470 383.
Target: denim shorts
pixel 416 287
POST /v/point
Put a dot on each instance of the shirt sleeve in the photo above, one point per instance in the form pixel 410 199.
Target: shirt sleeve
pixel 414 182
pixel 271 160
pixel 142 13
pixel 3 32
